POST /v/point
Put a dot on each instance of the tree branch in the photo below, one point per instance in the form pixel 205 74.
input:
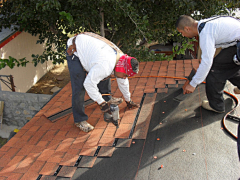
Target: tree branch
pixel 132 21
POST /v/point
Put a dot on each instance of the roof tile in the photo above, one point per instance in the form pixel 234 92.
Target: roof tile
pixel 123 131
pixel 124 143
pixel 56 157
pixel 70 157
pixel 67 171
pixel 106 141
pixel 88 151
pixel 106 151
pixel 30 175
pixel 44 177
pixel 42 145
pixel 87 162
pixel 65 144
pixel 49 168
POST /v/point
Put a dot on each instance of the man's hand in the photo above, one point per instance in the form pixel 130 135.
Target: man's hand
pixel 188 89
pixel 131 104
pixel 105 107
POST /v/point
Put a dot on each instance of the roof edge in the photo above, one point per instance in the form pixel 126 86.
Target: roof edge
pixel 9 38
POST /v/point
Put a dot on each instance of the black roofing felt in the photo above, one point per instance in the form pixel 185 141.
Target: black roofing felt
pixel 191 145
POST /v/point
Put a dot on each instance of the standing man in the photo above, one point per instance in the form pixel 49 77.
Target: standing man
pixel 91 60
pixel 217 32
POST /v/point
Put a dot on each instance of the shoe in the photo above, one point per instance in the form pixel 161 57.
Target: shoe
pixel 84 126
pixel 236 90
pixel 205 105
pixel 116 101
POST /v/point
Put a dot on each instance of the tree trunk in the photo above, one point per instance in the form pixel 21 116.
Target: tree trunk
pixel 102 23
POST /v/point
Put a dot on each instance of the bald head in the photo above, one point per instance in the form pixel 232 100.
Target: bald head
pixel 184 21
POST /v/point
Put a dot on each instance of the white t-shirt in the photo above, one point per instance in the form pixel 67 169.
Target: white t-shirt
pixel 99 60
pixel 216 33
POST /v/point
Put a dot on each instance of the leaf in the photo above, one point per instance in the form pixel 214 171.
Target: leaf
pixel 125 22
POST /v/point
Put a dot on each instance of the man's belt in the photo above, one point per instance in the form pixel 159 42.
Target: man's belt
pixel 71 49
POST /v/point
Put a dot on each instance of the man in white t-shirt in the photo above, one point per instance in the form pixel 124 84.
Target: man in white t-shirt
pixel 217 32
pixel 91 60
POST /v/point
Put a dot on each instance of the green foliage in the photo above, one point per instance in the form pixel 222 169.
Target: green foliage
pixel 185 44
pixel 11 62
pixel 143 54
pixel 3 141
pixel 126 21
pixel 67 16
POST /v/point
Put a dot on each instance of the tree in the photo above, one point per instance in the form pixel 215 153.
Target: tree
pixel 125 21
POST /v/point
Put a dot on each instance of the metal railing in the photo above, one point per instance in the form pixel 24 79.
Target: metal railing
pixel 8 82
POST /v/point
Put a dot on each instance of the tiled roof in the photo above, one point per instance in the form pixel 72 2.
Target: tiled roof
pixel 43 148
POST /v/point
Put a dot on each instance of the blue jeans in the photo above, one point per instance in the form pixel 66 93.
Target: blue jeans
pixel 77 76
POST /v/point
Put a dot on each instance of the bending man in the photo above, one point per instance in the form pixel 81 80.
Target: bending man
pixel 217 32
pixel 91 60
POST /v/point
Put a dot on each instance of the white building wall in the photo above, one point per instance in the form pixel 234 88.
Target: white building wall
pixel 24 45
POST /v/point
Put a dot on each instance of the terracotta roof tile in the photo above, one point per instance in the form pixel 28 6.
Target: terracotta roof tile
pixel 2 154
pixel 3 161
pixel 44 177
pixel 37 166
pixel 42 146
pixel 124 143
pixel 106 141
pixel 14 176
pixel 70 157
pixel 65 145
pixel 20 133
pixel 106 151
pixel 67 171
pixel 87 162
pixel 45 155
pixel 30 175
pixel 140 131
pixel 26 163
pixel 69 160
pixel 109 132
pixel 25 150
pixel 56 157
pixel 49 168
pixel 94 138
pixel 101 124
pixel 88 151
pixel 123 131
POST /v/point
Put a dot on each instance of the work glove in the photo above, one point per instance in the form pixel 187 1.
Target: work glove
pixel 105 107
pixel 131 104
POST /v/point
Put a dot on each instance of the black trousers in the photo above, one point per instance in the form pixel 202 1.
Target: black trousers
pixel 77 76
pixel 223 69
pixel 238 141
